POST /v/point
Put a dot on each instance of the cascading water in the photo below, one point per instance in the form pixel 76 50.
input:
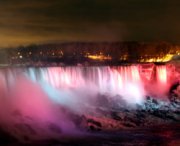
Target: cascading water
pixel 128 81
pixel 35 93
pixel 116 80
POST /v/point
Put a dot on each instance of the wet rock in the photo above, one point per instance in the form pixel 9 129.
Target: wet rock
pixel 116 116
pixel 151 112
pixel 94 125
pixel 129 124
pixel 94 122
pixel 174 92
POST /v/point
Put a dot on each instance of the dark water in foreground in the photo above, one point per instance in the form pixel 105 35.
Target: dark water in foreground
pixel 163 135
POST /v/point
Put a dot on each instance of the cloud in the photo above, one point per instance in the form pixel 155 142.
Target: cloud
pixel 24 21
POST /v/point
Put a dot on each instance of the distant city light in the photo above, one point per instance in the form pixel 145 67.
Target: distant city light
pixel 106 52
pixel 165 58
pixel 99 57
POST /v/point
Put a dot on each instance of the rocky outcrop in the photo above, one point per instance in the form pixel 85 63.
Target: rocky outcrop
pixel 119 116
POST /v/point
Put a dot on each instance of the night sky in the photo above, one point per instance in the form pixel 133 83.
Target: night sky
pixel 24 22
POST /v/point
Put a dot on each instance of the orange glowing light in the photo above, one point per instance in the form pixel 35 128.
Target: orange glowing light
pixel 99 57
pixel 165 58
